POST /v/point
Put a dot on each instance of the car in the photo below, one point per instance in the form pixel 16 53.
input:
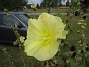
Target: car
pixel 11 18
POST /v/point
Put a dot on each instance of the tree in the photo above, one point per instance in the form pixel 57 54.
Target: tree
pixel 67 3
pixel 49 3
pixel 28 6
pixel 84 4
pixel 44 4
pixel 52 3
pixel 12 4
pixel 60 4
pixel 37 6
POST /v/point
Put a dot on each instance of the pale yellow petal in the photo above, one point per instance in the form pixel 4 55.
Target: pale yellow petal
pixel 32 48
pixel 54 48
pixel 31 36
pixel 58 32
pixel 46 52
pixel 59 20
pixel 43 53
pixel 64 33
pixel 47 20
pixel 36 27
pixel 59 27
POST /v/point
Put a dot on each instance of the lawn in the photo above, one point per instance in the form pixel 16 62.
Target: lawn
pixel 13 56
pixel 51 10
pixel 46 10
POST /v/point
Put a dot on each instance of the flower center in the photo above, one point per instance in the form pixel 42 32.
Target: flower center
pixel 46 38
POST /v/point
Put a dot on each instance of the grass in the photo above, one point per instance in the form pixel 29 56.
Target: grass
pixel 11 56
pixel 87 10
pixel 51 10
pixel 45 10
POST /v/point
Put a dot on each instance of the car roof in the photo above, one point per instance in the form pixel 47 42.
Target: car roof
pixel 1 12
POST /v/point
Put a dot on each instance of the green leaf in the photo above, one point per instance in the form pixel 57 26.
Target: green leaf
pixel 74 0
pixel 67 61
pixel 88 58
pixel 78 58
pixel 59 59
pixel 66 54
pixel 87 61
pixel 73 64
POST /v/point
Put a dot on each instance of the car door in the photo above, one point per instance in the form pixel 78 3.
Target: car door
pixel 7 32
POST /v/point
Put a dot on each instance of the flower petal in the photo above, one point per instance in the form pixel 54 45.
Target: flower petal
pixel 36 27
pixel 32 48
pixel 48 21
pixel 46 52
pixel 64 33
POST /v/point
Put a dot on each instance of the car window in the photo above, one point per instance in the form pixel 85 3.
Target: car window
pixel 24 18
pixel 8 20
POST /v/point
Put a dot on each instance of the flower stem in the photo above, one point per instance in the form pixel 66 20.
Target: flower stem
pixel 42 64
pixel 22 56
pixel 84 50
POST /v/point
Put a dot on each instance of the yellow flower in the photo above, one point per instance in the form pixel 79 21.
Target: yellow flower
pixel 22 39
pixel 31 3
pixel 33 7
pixel 42 35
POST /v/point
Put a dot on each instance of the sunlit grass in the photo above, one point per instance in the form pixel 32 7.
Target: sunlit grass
pixel 46 10
pixel 51 10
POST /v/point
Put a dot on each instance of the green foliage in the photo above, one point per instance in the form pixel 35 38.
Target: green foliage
pixel 28 6
pixel 59 59
pixel 37 6
pixel 72 64
pixel 12 4
pixel 51 3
